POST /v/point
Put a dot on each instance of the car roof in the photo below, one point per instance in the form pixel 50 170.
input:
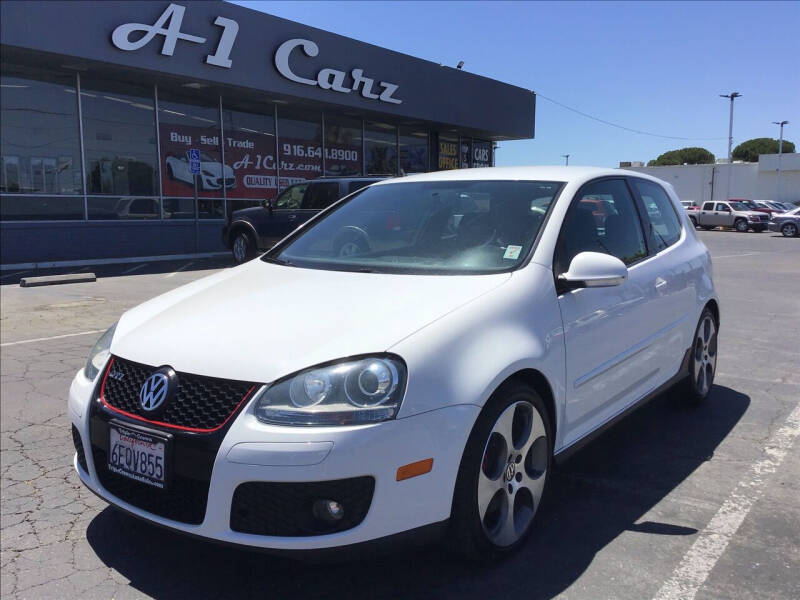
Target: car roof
pixel 533 173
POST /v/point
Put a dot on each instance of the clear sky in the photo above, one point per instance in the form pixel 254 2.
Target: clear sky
pixel 651 66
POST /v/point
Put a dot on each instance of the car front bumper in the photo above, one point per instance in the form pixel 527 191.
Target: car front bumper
pixel 252 451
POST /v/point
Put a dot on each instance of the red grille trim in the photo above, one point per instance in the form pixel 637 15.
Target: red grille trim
pixel 161 423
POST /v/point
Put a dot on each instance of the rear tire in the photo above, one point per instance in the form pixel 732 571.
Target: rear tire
pixel 740 225
pixel 703 358
pixel 503 474
pixel 789 230
pixel 244 246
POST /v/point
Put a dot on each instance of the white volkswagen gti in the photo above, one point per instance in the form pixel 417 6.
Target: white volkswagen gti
pixel 481 324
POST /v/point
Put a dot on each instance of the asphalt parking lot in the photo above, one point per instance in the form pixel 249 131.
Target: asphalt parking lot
pixel 674 502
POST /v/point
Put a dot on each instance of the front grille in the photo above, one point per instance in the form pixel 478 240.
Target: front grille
pixel 201 403
pixel 286 509
pixel 76 439
pixel 183 500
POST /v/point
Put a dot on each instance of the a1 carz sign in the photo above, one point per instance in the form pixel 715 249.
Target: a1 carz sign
pixel 169 24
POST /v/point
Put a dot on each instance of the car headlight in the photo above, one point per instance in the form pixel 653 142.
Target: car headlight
pixel 351 392
pixel 99 354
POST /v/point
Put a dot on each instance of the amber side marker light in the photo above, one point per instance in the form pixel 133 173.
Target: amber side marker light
pixel 416 468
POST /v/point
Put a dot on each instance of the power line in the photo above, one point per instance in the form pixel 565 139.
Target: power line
pixel 618 126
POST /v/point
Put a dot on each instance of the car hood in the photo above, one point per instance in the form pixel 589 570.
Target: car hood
pixel 260 322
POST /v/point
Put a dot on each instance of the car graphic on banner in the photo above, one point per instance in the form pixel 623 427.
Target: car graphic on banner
pixel 213 174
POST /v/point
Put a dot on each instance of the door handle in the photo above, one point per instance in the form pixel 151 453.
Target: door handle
pixel 660 282
pixel 292 217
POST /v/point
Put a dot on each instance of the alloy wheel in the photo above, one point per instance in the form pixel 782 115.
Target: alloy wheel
pixel 741 225
pixel 513 473
pixel 705 356
pixel 789 230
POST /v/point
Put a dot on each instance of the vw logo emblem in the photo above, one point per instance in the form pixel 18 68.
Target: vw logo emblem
pixel 510 469
pixel 154 391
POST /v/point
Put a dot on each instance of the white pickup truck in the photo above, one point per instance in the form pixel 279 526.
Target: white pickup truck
pixel 729 214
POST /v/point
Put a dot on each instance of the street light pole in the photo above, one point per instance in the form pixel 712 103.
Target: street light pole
pixel 566 159
pixel 780 151
pixel 732 96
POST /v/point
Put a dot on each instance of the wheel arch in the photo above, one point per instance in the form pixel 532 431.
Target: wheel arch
pixel 713 306
pixel 238 226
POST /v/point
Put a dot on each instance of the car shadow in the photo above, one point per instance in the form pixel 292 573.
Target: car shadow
pixel 600 492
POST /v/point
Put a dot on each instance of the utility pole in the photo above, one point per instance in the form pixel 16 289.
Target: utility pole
pixel 732 96
pixel 566 159
pixel 780 151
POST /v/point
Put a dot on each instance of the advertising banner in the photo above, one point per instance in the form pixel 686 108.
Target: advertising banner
pixel 249 171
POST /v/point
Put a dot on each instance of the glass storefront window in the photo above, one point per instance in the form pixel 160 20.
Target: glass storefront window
pixel 40 150
pixel 380 147
pixel 250 152
pixel 448 153
pixel 413 151
pixel 299 146
pixel 192 123
pixel 465 155
pixel 119 132
pixel 481 153
pixel 123 208
pixel 41 208
pixel 342 146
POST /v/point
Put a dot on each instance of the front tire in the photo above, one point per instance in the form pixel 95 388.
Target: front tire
pixel 789 230
pixel 243 248
pixel 503 474
pixel 703 359
pixel 740 225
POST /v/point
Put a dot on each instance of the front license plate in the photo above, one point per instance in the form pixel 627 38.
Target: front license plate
pixel 137 454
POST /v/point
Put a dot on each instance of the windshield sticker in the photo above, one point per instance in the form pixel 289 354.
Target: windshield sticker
pixel 512 252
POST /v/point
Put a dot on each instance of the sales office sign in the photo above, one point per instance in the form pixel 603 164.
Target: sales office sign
pixel 169 24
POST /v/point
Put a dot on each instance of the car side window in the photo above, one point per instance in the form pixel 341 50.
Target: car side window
pixel 723 207
pixel 321 195
pixel 602 218
pixel 663 221
pixel 292 197
pixel 708 206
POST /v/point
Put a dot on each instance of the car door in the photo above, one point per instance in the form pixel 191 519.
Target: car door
pixel 705 215
pixel 608 332
pixel 281 220
pixel 723 215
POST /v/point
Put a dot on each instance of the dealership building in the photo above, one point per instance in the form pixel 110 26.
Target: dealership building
pixel 131 129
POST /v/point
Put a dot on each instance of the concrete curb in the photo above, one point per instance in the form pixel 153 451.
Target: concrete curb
pixel 57 279
pixel 108 261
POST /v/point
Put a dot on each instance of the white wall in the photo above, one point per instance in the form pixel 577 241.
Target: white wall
pixel 748 180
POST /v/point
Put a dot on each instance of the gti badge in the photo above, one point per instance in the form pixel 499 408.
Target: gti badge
pixel 154 391
pixel 118 375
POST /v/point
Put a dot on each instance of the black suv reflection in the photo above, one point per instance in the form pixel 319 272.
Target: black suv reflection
pixel 259 228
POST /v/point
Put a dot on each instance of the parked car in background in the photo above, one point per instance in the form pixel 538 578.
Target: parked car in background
pixel 252 229
pixel 772 206
pixel 424 384
pixel 729 214
pixel 689 204
pixel 751 205
pixel 787 223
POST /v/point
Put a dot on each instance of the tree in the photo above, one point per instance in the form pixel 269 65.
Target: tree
pixel 683 156
pixel 750 150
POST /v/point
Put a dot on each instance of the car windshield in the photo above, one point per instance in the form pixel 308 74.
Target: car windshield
pixel 442 227
pixel 739 206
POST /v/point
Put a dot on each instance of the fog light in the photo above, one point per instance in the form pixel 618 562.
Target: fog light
pixel 328 510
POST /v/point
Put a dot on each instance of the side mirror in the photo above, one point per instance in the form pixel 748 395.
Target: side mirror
pixel 593 269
